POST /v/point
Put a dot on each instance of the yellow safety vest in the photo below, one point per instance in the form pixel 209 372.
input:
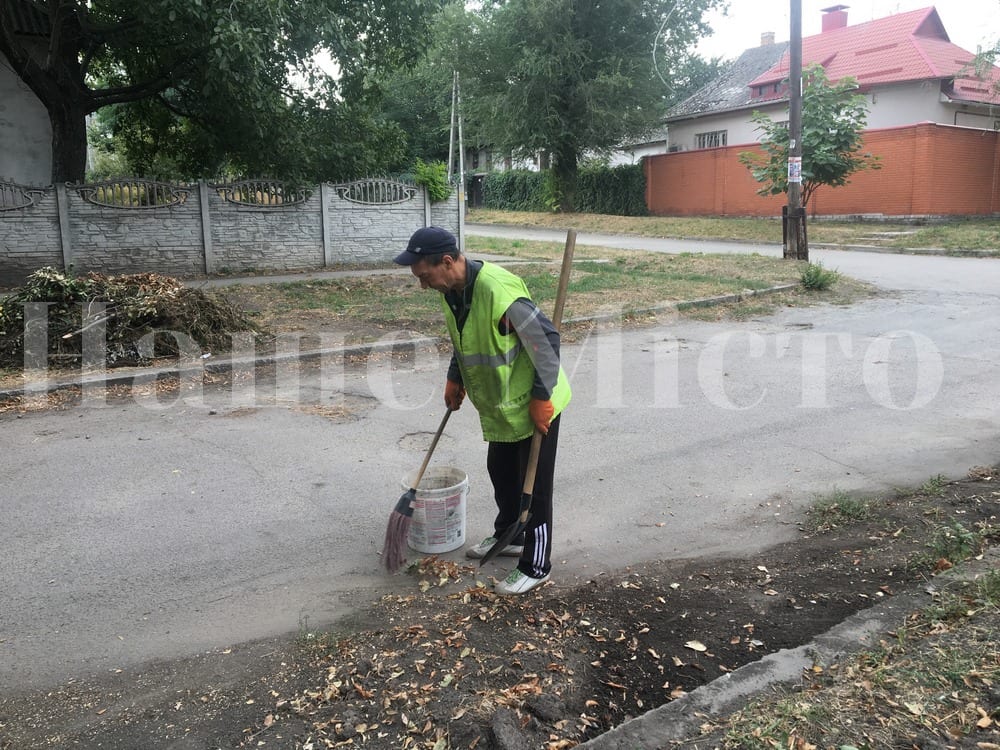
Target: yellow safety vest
pixel 496 370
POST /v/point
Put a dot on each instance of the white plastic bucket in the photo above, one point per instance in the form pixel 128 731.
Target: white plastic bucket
pixel 438 523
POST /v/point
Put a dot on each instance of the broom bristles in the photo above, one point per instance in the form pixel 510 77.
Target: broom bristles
pixel 393 551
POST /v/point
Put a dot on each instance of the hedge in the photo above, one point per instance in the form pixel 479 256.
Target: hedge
pixel 620 191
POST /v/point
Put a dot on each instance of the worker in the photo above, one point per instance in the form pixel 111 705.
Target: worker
pixel 506 359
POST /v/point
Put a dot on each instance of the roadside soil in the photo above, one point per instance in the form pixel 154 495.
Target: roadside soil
pixel 445 663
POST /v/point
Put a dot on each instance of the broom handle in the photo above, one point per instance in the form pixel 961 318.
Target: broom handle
pixel 430 451
pixel 557 313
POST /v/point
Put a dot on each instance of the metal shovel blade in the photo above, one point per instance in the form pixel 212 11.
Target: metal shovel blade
pixel 510 533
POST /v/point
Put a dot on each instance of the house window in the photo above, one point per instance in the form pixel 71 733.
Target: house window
pixel 714 139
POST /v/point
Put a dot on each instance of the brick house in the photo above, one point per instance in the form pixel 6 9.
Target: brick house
pixel 932 119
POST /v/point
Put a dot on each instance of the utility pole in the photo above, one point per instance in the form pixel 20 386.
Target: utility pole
pixel 456 113
pixel 796 246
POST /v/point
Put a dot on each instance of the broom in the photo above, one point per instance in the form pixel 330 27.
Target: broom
pixel 394 548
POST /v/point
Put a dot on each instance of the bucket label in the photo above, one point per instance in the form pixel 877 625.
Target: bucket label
pixel 439 518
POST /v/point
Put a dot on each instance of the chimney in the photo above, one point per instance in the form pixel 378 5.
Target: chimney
pixel 834 17
pixel 766 38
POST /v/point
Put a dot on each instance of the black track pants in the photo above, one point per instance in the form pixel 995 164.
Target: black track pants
pixel 507 464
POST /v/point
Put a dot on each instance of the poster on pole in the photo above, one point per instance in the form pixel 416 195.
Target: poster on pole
pixel 795 169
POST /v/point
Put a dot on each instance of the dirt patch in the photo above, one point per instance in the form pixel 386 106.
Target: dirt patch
pixel 445 663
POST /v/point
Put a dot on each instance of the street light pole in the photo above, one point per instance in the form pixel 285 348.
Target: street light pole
pixel 795 236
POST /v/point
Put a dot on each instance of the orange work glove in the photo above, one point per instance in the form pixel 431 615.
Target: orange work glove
pixel 541 414
pixel 454 394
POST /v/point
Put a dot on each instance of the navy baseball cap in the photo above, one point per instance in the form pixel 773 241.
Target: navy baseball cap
pixel 427 241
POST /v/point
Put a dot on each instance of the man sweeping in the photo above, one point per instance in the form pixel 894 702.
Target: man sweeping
pixel 506 359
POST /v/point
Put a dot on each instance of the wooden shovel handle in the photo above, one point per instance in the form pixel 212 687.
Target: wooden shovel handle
pixel 529 474
pixel 557 313
pixel 564 273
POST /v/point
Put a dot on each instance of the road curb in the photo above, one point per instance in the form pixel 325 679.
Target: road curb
pixel 149 374
pixel 683 718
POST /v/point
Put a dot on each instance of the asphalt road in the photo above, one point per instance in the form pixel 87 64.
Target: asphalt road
pixel 159 529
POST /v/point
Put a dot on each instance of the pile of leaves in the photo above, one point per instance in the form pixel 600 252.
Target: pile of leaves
pixel 60 319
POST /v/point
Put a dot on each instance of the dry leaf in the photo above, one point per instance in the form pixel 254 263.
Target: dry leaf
pixel 696 646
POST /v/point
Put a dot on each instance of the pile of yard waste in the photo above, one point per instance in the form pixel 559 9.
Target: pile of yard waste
pixel 58 319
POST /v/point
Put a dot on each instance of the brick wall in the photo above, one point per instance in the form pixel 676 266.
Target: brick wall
pixel 59 227
pixel 927 170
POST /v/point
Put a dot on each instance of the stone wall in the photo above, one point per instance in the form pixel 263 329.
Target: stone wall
pixel 29 236
pixel 189 230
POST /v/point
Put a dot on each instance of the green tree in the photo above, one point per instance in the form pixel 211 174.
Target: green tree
pixel 568 77
pixel 215 78
pixel 834 116
pixel 419 98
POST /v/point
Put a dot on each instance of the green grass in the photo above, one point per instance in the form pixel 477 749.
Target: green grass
pixel 603 280
pixel 816 277
pixel 934 486
pixel 954 542
pixel 838 509
pixel 988 589
pixel 956 236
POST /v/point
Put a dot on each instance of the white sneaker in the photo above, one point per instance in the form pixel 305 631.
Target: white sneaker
pixel 478 551
pixel 518 583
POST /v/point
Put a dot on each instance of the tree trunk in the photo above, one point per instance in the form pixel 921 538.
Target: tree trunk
pixel 69 141
pixel 564 170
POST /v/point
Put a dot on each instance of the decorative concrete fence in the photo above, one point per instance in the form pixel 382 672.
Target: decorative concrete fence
pixel 140 225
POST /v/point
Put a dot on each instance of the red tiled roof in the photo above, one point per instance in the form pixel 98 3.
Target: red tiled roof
pixel 911 46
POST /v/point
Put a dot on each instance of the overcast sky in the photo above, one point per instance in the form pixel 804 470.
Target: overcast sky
pixel 968 22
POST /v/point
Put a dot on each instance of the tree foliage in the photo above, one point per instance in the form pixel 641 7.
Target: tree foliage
pixel 833 120
pixel 419 97
pixel 216 81
pixel 569 77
